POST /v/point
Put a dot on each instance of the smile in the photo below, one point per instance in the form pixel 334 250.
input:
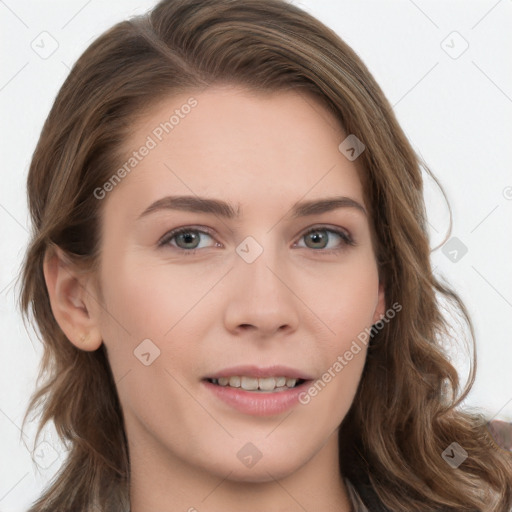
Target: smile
pixel 255 401
pixel 262 384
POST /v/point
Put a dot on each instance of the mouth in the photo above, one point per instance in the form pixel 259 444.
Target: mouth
pixel 257 396
pixel 257 384
pixel 257 390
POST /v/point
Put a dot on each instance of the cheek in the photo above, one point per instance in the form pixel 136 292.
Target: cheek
pixel 332 395
pixel 147 299
pixel 346 309
pixel 347 301
pixel 157 302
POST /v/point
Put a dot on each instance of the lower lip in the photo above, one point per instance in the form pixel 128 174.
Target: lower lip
pixel 257 403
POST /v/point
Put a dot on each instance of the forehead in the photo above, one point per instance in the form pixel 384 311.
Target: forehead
pixel 237 144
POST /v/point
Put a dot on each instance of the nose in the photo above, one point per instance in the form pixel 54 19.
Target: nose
pixel 261 297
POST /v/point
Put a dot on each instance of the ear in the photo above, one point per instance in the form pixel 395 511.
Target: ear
pixel 380 307
pixel 73 300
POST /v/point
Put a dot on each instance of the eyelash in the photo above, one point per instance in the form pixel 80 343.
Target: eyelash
pixel 346 239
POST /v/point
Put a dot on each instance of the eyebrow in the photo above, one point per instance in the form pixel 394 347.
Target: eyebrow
pixel 223 209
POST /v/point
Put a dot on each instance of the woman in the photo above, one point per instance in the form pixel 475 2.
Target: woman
pixel 230 271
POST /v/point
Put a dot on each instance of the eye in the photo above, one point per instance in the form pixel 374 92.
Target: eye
pixel 187 239
pixel 321 236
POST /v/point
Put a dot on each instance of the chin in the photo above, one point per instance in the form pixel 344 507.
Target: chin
pixel 269 473
pixel 263 471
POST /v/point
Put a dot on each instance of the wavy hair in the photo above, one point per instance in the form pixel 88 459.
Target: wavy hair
pixel 407 408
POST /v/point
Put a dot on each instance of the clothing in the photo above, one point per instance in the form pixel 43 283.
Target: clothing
pixel 363 496
pixel 355 499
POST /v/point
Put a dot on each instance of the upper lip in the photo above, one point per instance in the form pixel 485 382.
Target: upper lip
pixel 260 371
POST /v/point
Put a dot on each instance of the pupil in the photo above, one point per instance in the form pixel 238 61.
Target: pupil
pixel 188 237
pixel 317 237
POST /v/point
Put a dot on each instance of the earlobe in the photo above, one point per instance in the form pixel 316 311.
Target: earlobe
pixel 73 306
pixel 380 309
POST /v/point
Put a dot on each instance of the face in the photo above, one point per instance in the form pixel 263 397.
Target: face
pixel 255 292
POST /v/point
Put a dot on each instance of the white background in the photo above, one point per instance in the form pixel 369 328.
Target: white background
pixel 457 113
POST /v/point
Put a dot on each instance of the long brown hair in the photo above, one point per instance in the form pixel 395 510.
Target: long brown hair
pixel 406 411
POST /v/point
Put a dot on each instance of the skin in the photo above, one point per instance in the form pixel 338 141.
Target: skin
pixel 293 305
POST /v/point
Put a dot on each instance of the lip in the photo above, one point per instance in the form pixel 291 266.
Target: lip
pixel 257 403
pixel 258 371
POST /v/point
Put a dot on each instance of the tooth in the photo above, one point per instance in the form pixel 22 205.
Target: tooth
pixel 249 383
pixel 234 382
pixel 280 382
pixel 291 382
pixel 267 383
pixel 253 383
